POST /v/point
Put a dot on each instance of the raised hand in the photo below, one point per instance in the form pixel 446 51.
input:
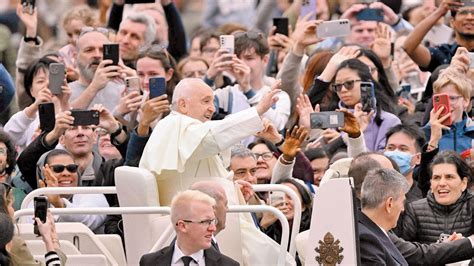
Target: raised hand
pixel 269 132
pixel 351 124
pixel 106 120
pixel 129 102
pixel 293 141
pixel 345 53
pixel 381 44
pixel 362 117
pixel 150 111
pixel 246 189
pixel 305 34
pixel 269 99
pixel 30 20
pixel 223 61
pixel 304 109
pixel 241 72
pixel 436 125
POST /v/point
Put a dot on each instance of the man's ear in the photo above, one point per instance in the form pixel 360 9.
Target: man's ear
pixel 416 158
pixel 389 204
pixel 182 107
pixel 265 59
pixel 61 140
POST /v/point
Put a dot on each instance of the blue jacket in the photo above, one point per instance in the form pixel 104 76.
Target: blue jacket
pixel 458 138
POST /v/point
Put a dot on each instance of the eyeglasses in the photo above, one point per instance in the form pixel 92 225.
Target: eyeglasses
pixel 7 187
pixel 349 85
pixel 59 168
pixel 454 99
pixel 208 222
pixel 88 29
pixel 266 156
pixel 253 35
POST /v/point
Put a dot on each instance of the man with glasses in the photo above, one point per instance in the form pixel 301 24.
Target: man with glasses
pixel 192 214
pixel 462 19
pixel 99 81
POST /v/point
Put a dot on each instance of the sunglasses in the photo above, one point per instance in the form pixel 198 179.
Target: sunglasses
pixel 154 50
pixel 59 168
pixel 349 85
pixel 253 35
pixel 87 29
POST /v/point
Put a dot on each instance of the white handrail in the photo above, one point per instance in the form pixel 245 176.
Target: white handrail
pixel 66 190
pixel 284 224
pixel 98 210
pixel 297 212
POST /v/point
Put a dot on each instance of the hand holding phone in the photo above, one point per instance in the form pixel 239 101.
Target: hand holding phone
pixel 132 84
pixel 227 42
pixel 442 100
pixel 41 211
pixel 281 25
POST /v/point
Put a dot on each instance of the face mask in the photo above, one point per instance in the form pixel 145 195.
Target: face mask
pixel 403 160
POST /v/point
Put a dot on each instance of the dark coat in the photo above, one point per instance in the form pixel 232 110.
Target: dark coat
pixel 424 220
pixel 163 258
pixel 375 247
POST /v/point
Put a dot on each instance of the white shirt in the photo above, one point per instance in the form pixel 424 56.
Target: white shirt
pixel 178 254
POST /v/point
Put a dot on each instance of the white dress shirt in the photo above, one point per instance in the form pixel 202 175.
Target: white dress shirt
pixel 198 257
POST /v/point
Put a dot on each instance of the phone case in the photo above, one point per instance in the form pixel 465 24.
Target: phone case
pixel 370 14
pixel 157 87
pixel 334 28
pixel 367 96
pixel 85 117
pixel 41 207
pixel 57 73
pixel 132 84
pixel 442 99
pixel 330 119
pixel 281 25
pixel 227 42
pixel 47 116
pixel 276 195
pixel 111 51
pixel 308 6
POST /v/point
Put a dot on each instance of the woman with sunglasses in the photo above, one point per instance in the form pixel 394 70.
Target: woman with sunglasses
pixel 58 169
pixel 347 84
pixel 13 249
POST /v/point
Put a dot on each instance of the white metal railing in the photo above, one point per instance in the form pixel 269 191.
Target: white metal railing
pixel 99 210
pixel 66 190
pixel 297 211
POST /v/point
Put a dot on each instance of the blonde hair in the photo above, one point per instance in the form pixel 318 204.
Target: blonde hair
pixel 181 205
pixel 83 13
pixel 456 78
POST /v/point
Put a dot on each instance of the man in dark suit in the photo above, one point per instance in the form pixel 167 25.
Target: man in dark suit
pixel 382 197
pixel 192 213
pixel 413 252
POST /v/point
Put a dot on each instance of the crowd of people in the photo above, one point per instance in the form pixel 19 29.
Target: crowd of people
pixel 402 82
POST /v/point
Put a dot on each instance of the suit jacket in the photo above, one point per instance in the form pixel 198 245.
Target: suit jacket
pixel 375 247
pixel 433 254
pixel 163 258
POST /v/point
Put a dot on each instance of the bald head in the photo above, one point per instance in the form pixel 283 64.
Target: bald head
pixel 217 192
pixel 194 98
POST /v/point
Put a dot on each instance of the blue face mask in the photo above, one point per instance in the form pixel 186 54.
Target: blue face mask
pixel 403 160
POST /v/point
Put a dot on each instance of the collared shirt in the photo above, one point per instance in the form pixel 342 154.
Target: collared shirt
pixel 178 254
pixel 440 55
pixel 383 230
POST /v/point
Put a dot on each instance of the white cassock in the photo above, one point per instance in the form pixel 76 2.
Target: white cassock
pixel 182 150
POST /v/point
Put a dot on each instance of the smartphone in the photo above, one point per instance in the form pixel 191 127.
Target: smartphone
pixel 405 92
pixel 41 211
pixel 28 6
pixel 471 59
pixel 47 116
pixel 85 117
pixel 334 28
pixel 132 84
pixel 227 42
pixel 308 6
pixel 281 25
pixel 111 51
pixel 442 99
pixel 370 14
pixel 443 238
pixel 330 119
pixel 277 196
pixel 157 86
pixel 57 73
pixel 367 96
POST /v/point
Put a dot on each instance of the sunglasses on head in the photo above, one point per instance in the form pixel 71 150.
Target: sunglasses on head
pixel 349 85
pixel 87 29
pixel 253 35
pixel 59 168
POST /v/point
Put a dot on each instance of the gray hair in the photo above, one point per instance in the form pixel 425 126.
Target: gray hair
pixel 240 151
pixel 181 205
pixel 184 89
pixel 380 184
pixel 148 21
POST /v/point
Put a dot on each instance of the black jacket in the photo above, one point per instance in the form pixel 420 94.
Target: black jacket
pixel 425 219
pixel 163 258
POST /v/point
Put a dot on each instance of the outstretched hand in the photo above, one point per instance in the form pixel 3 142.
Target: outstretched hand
pixel 293 140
